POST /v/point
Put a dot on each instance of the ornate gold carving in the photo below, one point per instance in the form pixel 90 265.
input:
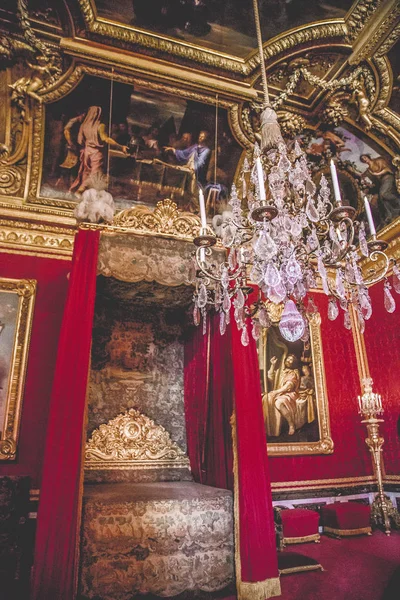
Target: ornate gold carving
pixel 359 16
pixel 377 29
pixel 303 35
pixel 25 289
pixel 389 42
pixel 291 123
pixel 166 219
pixel 36 238
pixel 335 111
pixel 385 82
pixel 10 179
pixel 133 441
pixel 42 58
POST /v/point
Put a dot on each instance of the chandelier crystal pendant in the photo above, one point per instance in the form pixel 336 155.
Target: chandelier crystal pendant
pixel 285 236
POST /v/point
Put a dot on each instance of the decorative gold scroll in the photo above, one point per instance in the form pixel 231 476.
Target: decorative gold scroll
pixel 133 441
pixel 166 219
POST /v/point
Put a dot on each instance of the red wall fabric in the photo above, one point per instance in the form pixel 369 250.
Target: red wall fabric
pixel 382 345
pixel 350 457
pixel 52 283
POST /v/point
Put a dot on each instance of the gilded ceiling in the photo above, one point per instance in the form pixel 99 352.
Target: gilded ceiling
pixel 164 71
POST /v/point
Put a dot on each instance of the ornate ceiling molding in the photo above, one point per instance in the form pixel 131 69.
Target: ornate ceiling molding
pixel 361 14
pixel 373 32
pixel 37 239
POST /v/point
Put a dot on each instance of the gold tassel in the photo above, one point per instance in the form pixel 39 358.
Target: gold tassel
pixel 271 134
pixel 257 590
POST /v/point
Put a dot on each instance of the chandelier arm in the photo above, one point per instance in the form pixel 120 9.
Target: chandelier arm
pixel 374 256
pixel 208 274
pixel 347 245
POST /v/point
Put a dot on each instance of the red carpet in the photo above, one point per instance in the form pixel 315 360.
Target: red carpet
pixel 359 568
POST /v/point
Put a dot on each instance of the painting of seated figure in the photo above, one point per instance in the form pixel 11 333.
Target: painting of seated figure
pixel 294 397
pixel 146 145
pixel 364 170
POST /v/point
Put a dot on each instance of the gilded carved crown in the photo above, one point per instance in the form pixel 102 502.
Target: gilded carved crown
pixel 133 441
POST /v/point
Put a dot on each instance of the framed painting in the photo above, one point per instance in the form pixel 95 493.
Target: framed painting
pixel 294 394
pixel 150 145
pixel 17 297
pixel 364 168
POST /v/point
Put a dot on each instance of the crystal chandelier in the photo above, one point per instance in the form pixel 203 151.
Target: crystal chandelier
pixel 285 236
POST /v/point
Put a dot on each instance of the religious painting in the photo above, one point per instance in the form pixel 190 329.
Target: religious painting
pixel 220 26
pixel 363 169
pixel 294 396
pixel 147 145
pixel 16 309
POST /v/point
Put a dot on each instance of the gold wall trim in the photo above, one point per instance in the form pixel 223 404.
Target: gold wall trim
pixel 160 69
pixel 25 289
pixel 19 237
pixel 283 486
pixel 391 479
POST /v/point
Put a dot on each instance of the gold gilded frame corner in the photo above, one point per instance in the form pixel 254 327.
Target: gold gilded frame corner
pixel 325 444
pixel 26 290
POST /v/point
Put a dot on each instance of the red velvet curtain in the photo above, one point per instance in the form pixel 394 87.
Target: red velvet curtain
pixel 55 561
pixel 208 388
pixel 257 563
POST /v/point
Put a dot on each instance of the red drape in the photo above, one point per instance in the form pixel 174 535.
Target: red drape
pixel 208 388
pixel 258 576
pixel 55 565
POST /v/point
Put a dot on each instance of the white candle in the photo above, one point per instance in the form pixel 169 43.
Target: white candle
pixel 202 209
pixel 335 182
pixel 369 216
pixel 260 175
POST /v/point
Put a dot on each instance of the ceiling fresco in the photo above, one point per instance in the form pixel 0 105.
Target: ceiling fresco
pixel 223 26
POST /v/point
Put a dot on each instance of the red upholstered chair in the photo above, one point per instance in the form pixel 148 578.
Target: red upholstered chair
pixel 346 518
pixel 299 525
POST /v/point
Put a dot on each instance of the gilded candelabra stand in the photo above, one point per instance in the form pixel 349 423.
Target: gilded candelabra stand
pixel 370 408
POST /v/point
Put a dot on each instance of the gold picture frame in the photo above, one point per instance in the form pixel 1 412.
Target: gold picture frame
pixel 315 422
pixel 17 298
